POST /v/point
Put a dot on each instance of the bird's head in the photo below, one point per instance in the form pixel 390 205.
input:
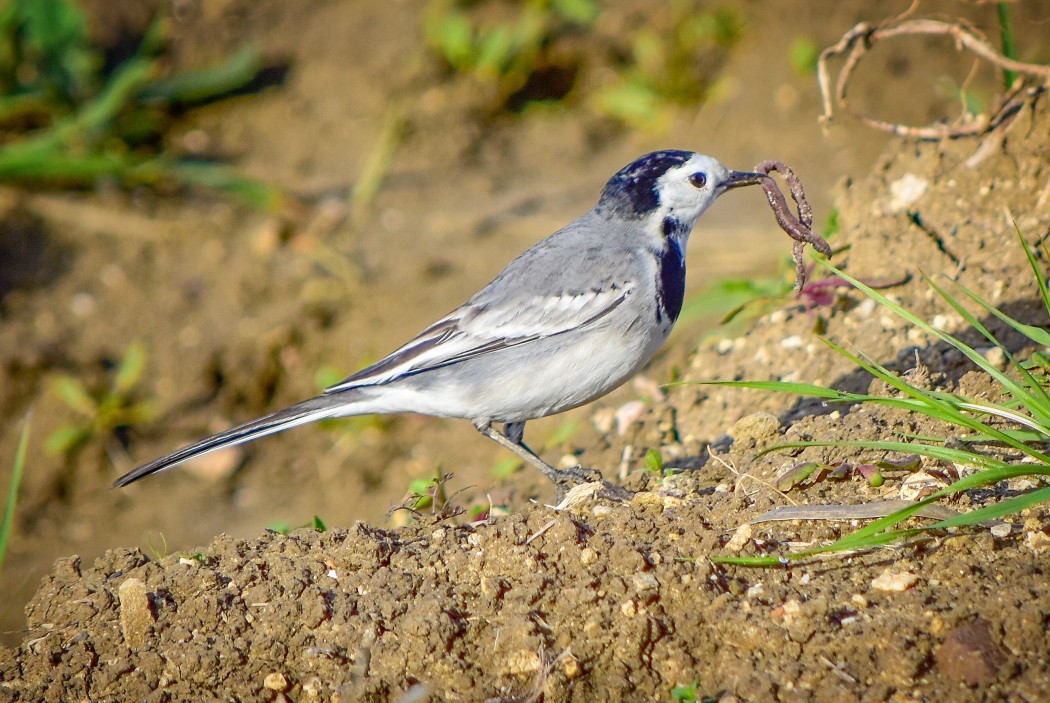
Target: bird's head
pixel 675 186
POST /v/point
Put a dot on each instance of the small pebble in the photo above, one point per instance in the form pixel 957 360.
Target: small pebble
pixel 894 581
pixel 644 582
pixel 83 304
pixel 905 191
pixel 627 414
pixel 1037 540
pixel 995 356
pixel 945 323
pixel 312 687
pixel 740 538
pixel 755 591
pixel 136 613
pixel 1001 530
pixel 276 681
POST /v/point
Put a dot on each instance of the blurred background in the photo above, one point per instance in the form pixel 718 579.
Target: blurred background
pixel 209 210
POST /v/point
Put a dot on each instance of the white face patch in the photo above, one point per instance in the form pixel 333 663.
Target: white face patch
pixel 684 194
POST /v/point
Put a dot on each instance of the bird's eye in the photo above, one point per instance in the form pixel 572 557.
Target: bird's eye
pixel 699 179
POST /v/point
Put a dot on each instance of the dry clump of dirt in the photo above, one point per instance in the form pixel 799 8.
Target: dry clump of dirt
pixel 572 605
pixel 620 596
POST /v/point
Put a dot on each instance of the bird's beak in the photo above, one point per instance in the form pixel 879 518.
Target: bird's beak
pixel 739 179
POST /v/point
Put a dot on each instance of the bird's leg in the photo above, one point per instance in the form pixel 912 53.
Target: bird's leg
pixel 511 438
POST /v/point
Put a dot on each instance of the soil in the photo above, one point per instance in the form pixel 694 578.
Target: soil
pixel 613 597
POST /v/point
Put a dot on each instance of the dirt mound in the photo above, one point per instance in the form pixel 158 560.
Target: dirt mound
pixel 620 595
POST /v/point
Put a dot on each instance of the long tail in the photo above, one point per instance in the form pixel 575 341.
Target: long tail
pixel 318 408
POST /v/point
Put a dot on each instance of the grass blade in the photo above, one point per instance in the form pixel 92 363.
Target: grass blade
pixel 233 73
pixel 12 491
pixel 933 451
pixel 1039 402
pixel 993 512
pixel 1039 277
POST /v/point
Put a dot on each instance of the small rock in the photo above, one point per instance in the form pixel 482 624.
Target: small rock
pixel 757 426
pixel 740 538
pixel 603 420
pixel 266 238
pixel 1037 540
pixel 644 582
pixel 1001 530
pixel 919 485
pixel 136 613
pixel 905 191
pixel 216 465
pixel 894 581
pixel 756 591
pixel 275 681
pixel 970 655
pixel 994 356
pixel 627 414
pixel 312 687
pixel 946 323
pixel 865 309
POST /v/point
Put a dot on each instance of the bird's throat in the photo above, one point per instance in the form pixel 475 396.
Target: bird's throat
pixel 670 284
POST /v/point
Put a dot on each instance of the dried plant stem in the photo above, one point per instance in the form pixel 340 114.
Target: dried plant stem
pixel 855 43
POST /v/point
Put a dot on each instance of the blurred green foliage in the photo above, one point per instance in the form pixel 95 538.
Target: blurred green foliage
pixel 7 522
pixel 101 414
pixel 664 68
pixel 502 53
pixel 803 55
pixel 65 121
pixel 632 77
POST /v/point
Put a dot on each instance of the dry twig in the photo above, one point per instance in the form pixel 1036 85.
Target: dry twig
pixel 855 43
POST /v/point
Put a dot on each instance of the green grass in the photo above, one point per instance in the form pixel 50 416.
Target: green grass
pixel 1006 40
pixel 503 54
pixel 68 123
pixel 286 528
pixel 11 502
pixel 655 66
pixel 101 414
pixel 688 694
pixel 1019 420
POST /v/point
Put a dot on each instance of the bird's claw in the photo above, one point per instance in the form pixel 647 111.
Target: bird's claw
pixel 565 480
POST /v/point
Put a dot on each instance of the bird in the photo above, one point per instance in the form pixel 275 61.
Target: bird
pixel 569 320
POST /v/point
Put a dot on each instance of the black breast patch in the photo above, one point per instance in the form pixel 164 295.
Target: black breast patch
pixel 670 288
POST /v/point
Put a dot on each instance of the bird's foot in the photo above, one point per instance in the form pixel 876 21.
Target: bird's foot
pixel 565 480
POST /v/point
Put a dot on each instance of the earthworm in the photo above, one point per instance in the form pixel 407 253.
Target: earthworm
pixel 798 228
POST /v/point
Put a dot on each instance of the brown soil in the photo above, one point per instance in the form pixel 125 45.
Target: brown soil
pixel 611 599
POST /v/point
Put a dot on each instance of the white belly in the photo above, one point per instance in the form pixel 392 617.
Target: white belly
pixel 521 383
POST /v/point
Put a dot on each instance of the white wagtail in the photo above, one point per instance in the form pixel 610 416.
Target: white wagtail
pixel 566 322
